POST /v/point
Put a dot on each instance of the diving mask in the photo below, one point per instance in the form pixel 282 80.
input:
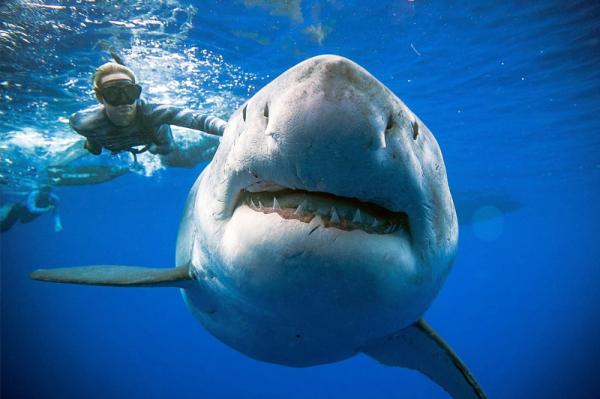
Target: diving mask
pixel 122 92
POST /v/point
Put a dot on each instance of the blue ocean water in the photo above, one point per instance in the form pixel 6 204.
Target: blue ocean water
pixel 511 91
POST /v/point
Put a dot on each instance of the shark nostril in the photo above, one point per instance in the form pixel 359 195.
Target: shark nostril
pixel 390 123
pixel 266 111
pixel 244 112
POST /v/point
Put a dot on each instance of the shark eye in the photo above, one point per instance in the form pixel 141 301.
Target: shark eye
pixel 415 127
pixel 244 112
pixel 266 111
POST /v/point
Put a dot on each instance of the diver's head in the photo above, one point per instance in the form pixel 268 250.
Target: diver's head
pixel 42 197
pixel 115 88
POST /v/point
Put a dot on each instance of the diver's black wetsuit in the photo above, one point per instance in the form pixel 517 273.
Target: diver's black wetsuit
pixel 37 203
pixel 151 126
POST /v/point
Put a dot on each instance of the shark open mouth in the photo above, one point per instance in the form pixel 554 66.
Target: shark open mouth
pixel 339 212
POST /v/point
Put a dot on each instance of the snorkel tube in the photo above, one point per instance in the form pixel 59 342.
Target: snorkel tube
pixel 117 59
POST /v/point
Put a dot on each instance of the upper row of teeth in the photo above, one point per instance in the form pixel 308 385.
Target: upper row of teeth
pixel 334 218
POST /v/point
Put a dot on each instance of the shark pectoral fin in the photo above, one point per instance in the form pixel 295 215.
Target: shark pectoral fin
pixel 418 347
pixel 117 276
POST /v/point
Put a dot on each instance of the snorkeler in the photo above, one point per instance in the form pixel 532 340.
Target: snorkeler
pixel 38 202
pixel 123 120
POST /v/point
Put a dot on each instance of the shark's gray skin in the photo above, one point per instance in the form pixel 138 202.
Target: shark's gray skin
pixel 323 227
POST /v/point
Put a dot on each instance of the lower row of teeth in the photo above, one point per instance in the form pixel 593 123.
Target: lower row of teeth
pixel 331 219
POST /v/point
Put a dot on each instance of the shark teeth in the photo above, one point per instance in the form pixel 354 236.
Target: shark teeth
pixel 357 218
pixel 327 210
pixel 334 216
pixel 300 210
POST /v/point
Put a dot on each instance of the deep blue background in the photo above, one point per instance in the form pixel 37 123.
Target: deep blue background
pixel 512 93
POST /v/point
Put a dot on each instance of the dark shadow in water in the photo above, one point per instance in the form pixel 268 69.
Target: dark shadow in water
pixel 472 204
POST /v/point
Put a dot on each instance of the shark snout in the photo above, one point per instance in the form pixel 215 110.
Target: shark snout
pixel 338 131
pixel 334 102
pixel 337 108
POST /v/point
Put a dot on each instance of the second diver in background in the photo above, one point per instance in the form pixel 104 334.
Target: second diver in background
pixel 38 202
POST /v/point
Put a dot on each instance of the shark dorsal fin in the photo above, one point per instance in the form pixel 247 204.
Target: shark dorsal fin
pixel 117 276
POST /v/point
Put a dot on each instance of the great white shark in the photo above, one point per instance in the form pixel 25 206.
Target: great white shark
pixel 322 228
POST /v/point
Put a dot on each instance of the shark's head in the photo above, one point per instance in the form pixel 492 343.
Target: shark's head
pixel 324 220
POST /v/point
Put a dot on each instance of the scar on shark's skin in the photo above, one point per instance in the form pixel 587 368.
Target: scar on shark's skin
pixel 313 229
pixel 322 228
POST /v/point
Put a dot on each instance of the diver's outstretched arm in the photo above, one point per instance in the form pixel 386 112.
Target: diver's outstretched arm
pixel 57 224
pixel 55 202
pixel 178 116
pixel 210 124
